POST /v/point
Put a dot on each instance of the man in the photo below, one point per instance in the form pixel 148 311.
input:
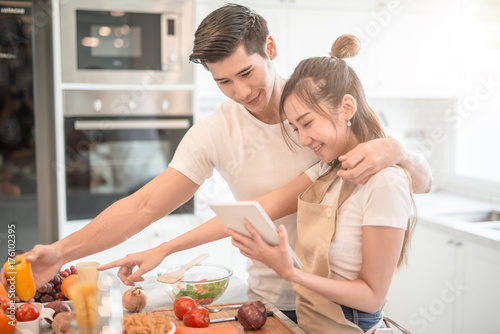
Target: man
pixel 243 141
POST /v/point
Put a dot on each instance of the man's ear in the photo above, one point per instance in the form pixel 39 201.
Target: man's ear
pixel 270 47
pixel 349 106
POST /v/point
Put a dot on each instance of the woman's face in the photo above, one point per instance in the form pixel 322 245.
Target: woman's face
pixel 326 136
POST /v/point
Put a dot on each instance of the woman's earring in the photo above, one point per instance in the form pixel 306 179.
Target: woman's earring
pixel 349 122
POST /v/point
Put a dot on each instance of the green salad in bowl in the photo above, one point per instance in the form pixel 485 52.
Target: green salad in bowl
pixel 205 283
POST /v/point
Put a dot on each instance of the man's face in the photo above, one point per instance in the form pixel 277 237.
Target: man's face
pixel 248 80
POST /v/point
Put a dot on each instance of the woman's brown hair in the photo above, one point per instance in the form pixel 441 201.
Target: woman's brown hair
pixel 327 80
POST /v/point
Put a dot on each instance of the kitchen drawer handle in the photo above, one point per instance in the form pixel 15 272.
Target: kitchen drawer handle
pixel 106 124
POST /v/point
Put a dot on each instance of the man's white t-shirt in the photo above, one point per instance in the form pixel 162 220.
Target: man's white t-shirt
pixel 383 201
pixel 254 159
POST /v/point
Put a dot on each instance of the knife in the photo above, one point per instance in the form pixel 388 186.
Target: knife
pixel 213 321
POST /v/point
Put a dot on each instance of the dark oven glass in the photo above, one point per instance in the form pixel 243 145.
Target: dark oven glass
pixel 18 165
pixel 105 165
pixel 115 40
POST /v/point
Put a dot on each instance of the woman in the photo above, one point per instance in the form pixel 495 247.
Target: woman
pixel 351 238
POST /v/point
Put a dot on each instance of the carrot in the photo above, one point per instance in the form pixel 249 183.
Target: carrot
pixel 208 330
pixel 198 286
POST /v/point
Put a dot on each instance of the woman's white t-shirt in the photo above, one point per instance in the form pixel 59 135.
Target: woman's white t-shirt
pixel 383 201
pixel 254 159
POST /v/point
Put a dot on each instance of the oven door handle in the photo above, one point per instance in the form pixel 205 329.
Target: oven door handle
pixel 108 124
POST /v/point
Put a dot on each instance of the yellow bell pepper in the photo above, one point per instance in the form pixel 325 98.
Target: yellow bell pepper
pixel 18 272
pixel 7 325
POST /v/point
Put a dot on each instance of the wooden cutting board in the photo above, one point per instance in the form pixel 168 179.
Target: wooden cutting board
pixel 273 324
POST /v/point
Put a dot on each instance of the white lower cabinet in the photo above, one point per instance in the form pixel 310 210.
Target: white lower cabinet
pixel 451 285
pixel 422 296
pixel 480 289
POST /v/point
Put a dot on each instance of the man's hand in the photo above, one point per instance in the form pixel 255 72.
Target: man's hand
pixel 45 263
pixel 370 157
pixel 145 261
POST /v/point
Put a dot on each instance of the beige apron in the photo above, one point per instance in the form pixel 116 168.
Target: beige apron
pixel 316 226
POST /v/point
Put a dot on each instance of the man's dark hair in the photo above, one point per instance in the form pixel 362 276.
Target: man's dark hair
pixel 222 30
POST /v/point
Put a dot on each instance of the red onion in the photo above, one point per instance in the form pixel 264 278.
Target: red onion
pixel 58 307
pixel 252 315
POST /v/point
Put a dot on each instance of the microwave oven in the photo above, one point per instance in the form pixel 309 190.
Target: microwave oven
pixel 145 42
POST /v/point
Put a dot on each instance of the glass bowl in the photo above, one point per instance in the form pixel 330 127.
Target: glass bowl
pixel 205 283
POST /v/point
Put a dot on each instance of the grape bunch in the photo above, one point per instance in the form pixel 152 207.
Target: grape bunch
pixel 52 290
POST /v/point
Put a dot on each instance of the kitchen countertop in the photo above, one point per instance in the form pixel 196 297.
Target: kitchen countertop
pixel 436 210
pixel 158 299
pixel 439 210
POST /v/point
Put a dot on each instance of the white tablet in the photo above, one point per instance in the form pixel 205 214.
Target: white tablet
pixel 233 214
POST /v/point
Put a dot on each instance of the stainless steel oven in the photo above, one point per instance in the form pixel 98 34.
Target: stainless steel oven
pixel 117 141
pixel 137 42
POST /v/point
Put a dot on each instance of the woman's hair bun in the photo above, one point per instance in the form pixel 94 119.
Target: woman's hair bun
pixel 346 46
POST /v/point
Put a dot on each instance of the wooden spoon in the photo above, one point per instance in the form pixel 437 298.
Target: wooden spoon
pixel 175 276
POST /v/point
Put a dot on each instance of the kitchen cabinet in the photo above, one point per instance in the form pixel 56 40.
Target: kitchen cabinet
pixel 421 295
pixel 408 49
pixel 300 29
pixel 479 274
pixel 313 29
pixel 416 50
pixel 276 14
pixel 450 285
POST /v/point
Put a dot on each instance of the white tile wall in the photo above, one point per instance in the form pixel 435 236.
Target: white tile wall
pixel 421 124
pixel 418 123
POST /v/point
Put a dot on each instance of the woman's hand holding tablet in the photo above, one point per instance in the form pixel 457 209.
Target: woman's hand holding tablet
pixel 233 214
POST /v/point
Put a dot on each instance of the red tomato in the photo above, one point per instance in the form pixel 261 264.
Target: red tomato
pixel 197 317
pixel 27 312
pixel 183 305
pixel 4 302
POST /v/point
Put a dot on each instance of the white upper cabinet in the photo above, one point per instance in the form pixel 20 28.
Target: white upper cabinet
pixel 313 30
pixel 408 48
pixel 276 14
pixel 417 52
